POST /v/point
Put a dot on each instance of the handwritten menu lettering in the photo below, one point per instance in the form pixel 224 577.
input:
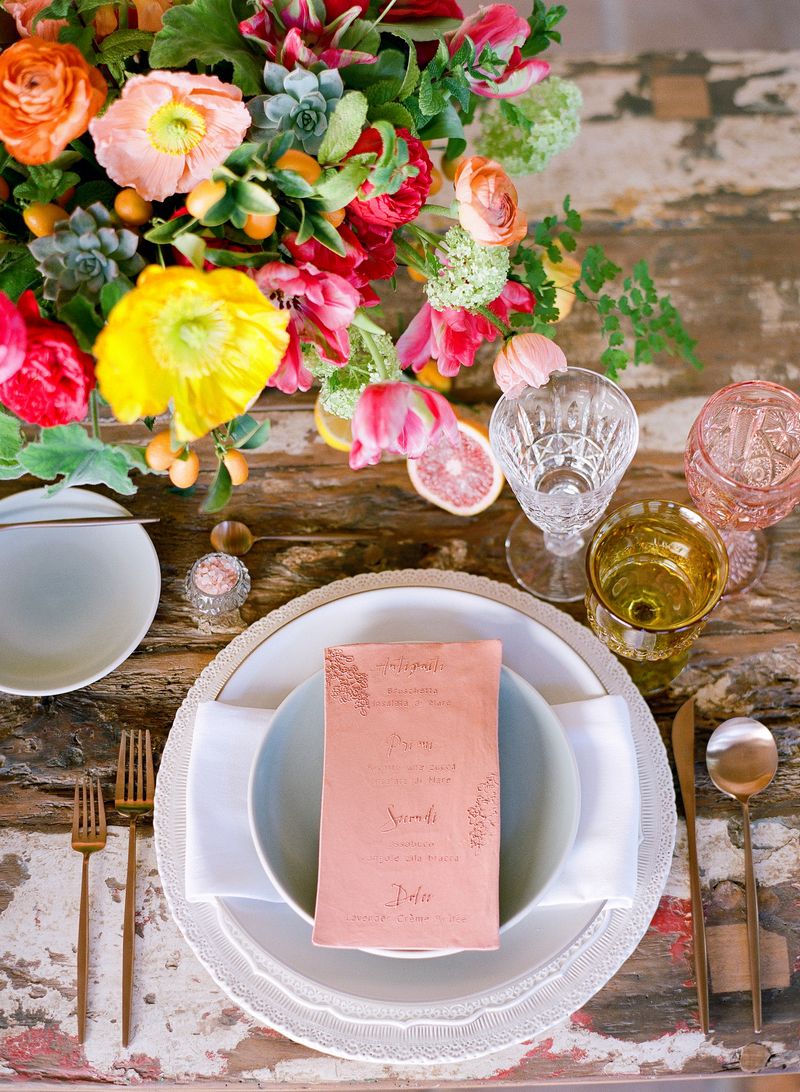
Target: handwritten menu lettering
pixel 410 830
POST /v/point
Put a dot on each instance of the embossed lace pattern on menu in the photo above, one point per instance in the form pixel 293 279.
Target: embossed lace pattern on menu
pixel 483 813
pixel 345 683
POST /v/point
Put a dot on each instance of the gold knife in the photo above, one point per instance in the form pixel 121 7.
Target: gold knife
pixel 683 750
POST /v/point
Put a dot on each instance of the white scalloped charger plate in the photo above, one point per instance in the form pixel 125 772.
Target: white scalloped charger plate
pixel 362 1006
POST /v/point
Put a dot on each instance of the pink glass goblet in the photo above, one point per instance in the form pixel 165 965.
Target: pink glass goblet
pixel 742 466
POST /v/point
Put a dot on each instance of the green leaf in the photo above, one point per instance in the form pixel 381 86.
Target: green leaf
pixel 67 451
pixel 81 317
pixel 254 198
pixel 247 433
pixel 394 113
pixel 411 78
pixel 44 184
pixel 360 35
pixel 326 233
pixel 192 247
pixel 447 124
pixel 97 190
pixel 233 259
pixel 10 471
pixel 391 67
pixel 11 439
pixel 167 230
pixel 292 184
pixel 17 271
pixel 344 127
pixel 431 100
pixel 207 31
pixel 112 293
pixel 82 38
pixel 338 187
pixel 58 9
pixel 125 43
pixel 219 492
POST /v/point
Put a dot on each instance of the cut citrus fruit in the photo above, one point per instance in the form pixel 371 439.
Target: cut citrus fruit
pixel 335 431
pixel 463 479
pixel 430 376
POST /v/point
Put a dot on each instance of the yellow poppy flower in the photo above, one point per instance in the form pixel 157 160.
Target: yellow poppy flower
pixel 205 342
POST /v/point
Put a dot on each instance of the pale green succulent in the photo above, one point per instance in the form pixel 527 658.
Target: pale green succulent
pixel 85 253
pixel 299 102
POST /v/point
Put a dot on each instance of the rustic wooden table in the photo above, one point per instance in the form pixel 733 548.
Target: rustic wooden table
pixel 691 162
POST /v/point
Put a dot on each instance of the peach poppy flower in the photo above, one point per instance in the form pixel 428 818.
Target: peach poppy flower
pixel 23 12
pixel 487 203
pixel 168 131
pixel 48 94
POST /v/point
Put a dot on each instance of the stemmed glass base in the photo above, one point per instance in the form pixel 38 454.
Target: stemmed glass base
pixel 747 558
pixel 556 577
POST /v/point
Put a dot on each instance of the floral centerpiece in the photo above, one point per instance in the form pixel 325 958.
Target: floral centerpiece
pixel 198 199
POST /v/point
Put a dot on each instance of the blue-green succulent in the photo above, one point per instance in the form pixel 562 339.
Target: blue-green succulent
pixel 299 102
pixel 84 253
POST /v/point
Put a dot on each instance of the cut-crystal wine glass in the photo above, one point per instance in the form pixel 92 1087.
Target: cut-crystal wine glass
pixel 563 448
pixel 742 466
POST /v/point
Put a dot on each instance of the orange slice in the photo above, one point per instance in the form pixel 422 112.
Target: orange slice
pixel 463 479
pixel 335 431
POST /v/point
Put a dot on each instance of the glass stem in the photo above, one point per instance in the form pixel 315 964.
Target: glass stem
pixel 564 545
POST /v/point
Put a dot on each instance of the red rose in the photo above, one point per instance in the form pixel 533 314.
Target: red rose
pixel 407 11
pixel 369 256
pixel 53 384
pixel 390 210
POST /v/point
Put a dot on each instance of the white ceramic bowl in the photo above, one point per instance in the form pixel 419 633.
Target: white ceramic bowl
pixel 539 799
pixel 74 602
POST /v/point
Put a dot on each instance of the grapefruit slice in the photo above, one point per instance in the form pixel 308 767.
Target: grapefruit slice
pixel 335 431
pixel 463 479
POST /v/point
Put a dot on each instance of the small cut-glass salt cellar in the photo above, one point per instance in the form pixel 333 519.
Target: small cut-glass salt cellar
pixel 217 583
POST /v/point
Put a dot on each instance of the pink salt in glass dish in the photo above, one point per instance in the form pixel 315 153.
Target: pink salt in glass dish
pixel 217 583
pixel 742 468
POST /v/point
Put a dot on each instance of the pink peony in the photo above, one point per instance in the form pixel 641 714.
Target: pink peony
pixel 168 131
pixel 453 336
pixel 12 339
pixel 53 384
pixel 527 360
pixel 502 29
pixel 322 306
pixel 23 12
pixel 390 210
pixel 401 418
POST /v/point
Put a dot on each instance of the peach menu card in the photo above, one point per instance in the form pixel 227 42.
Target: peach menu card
pixel 410 830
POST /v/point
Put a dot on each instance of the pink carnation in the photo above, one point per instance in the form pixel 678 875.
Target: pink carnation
pixel 168 131
pixel 53 383
pixel 12 339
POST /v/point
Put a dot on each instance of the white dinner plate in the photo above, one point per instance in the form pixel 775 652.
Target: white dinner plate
pixel 74 602
pixel 539 799
pixel 358 1005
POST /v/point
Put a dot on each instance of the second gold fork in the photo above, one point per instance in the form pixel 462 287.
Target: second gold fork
pixel 134 797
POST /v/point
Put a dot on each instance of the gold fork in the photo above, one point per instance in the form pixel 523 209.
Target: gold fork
pixel 134 795
pixel 88 835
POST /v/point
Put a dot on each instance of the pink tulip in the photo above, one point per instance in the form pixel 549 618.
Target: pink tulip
pixel 322 307
pixel 527 360
pixel 13 339
pixel 504 31
pixel 453 336
pixel 401 418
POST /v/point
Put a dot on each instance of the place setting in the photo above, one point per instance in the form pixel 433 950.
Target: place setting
pixel 459 689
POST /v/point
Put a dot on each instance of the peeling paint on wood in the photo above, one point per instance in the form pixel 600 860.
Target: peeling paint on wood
pixel 713 204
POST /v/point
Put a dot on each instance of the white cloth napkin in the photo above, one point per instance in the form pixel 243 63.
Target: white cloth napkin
pixel 221 859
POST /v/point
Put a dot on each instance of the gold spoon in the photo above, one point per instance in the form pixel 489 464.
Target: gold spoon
pixel 742 758
pixel 232 537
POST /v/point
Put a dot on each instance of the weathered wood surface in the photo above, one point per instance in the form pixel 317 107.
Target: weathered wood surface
pixel 712 204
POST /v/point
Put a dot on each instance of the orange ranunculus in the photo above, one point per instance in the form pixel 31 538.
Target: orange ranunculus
pixel 487 203
pixel 48 96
